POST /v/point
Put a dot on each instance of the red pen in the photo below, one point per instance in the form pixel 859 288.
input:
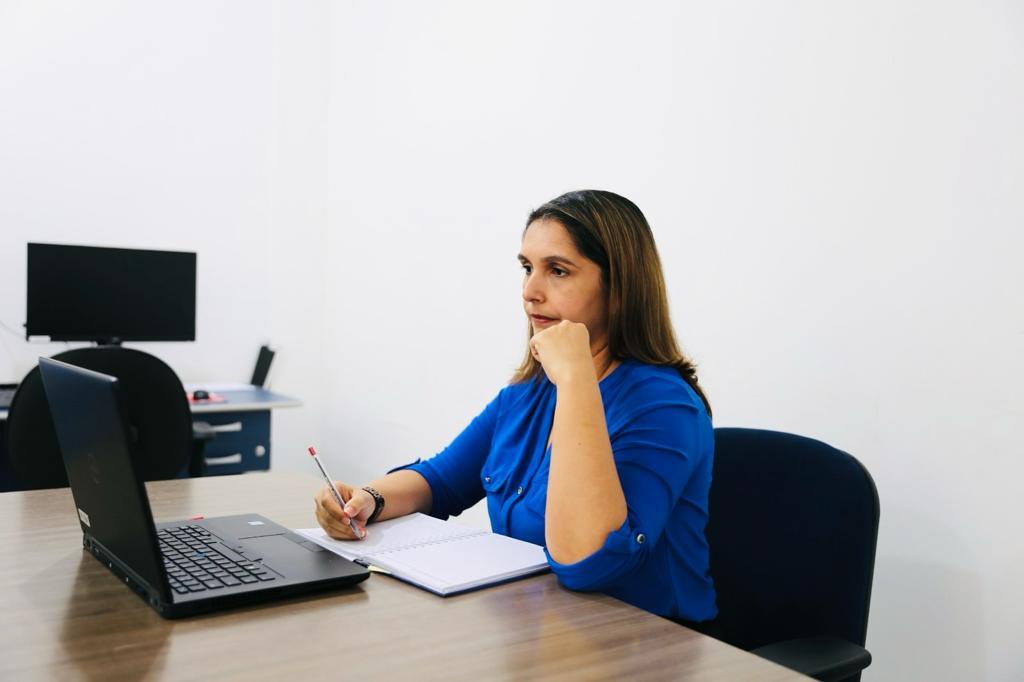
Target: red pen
pixel 337 497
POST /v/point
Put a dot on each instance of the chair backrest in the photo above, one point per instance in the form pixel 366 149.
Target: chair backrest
pixel 792 529
pixel 155 406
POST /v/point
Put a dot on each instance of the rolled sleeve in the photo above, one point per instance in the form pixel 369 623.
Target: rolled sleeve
pixel 623 550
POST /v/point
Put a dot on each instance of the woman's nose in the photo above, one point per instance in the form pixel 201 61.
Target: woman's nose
pixel 531 289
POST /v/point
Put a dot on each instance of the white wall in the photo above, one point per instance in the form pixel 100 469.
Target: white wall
pixel 198 127
pixel 834 187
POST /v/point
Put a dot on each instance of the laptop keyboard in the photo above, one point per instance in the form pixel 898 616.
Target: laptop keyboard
pixel 194 566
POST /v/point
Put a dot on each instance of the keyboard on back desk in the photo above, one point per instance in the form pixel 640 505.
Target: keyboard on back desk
pixel 193 565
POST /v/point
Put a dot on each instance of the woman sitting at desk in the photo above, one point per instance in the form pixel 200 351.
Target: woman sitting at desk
pixel 600 448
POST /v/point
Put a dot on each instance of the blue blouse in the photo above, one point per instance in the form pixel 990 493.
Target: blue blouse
pixel 663 444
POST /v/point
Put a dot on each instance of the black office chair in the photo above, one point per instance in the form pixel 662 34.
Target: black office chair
pixel 155 408
pixel 792 529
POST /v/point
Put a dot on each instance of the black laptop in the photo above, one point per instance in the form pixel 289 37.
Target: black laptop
pixel 184 567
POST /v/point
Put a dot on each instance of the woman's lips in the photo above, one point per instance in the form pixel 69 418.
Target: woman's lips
pixel 541 318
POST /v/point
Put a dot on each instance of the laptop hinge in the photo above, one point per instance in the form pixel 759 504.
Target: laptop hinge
pixel 126 574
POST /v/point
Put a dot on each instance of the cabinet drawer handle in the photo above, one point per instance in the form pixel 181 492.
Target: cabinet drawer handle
pixel 233 427
pixel 227 459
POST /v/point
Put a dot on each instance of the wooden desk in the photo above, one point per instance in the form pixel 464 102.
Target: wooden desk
pixel 64 616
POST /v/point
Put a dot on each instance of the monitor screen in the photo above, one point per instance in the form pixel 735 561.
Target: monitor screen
pixel 88 293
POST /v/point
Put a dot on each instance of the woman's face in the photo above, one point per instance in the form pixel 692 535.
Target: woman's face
pixel 559 283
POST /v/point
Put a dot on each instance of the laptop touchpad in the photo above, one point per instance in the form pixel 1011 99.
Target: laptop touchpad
pixel 293 557
pixel 242 527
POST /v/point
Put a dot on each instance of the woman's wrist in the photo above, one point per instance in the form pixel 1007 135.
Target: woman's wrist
pixel 378 503
pixel 405 490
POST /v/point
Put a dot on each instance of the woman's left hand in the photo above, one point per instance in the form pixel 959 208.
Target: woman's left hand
pixel 564 351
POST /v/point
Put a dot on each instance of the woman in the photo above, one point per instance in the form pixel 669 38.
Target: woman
pixel 600 448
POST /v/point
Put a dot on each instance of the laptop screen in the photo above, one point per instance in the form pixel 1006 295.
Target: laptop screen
pixel 111 501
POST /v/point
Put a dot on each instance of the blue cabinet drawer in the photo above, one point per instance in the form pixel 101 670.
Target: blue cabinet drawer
pixel 242 442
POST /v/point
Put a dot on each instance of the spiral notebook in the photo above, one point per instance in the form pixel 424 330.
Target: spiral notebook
pixel 441 556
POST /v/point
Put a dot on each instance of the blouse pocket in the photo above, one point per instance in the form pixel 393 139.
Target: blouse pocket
pixel 494 480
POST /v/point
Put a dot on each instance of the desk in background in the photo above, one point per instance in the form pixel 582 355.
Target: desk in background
pixel 242 423
pixel 68 617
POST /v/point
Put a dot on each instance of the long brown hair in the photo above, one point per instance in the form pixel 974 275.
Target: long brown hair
pixel 610 230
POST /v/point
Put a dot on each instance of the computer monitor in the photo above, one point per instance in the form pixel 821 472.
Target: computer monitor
pixel 107 295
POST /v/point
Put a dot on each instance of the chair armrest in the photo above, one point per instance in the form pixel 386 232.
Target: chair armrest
pixel 823 658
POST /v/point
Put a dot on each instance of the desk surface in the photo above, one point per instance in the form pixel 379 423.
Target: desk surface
pixel 245 400
pixel 67 617
pixel 239 399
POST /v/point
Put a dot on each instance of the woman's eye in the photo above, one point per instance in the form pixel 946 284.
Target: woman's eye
pixel 526 268
pixel 559 272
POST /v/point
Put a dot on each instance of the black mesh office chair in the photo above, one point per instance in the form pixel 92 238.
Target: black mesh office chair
pixel 155 408
pixel 792 529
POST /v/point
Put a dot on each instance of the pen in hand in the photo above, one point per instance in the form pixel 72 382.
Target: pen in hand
pixel 334 491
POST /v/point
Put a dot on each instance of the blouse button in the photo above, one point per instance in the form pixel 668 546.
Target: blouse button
pixel 487 479
pixel 519 491
pixel 640 538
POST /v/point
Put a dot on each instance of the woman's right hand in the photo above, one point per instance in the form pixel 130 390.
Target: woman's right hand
pixel 334 520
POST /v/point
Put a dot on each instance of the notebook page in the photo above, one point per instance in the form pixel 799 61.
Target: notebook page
pixel 386 536
pixel 453 566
